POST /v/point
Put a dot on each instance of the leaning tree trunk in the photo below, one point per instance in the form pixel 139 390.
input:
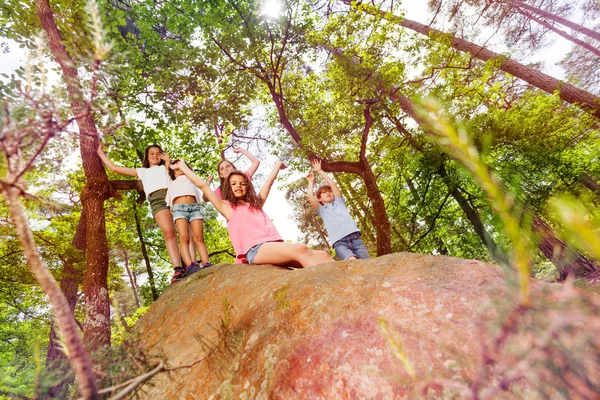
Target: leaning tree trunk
pixel 78 357
pixel 559 252
pixel 69 285
pixel 564 258
pixel 567 36
pixel 97 305
pixel 566 91
pixel 556 18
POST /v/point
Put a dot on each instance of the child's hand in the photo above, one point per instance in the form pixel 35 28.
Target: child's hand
pixel 209 179
pixel 239 149
pixel 164 156
pixel 179 165
pixel 316 165
pixel 310 178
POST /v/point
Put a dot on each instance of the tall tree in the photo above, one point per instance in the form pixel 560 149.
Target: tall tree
pixel 567 92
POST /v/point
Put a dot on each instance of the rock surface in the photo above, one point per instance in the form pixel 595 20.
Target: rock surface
pixel 269 332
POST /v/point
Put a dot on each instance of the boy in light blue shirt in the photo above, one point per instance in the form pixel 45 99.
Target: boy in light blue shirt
pixel 341 228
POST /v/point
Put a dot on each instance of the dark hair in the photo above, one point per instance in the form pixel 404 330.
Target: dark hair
pixel 172 172
pixel 251 197
pixel 145 162
pixel 219 166
pixel 323 188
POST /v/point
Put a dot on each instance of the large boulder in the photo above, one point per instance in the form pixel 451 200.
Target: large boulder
pixel 352 329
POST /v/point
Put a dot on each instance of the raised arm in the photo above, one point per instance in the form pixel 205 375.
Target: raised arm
pixel 111 166
pixel 166 158
pixel 311 194
pixel 219 204
pixel 266 187
pixel 316 166
pixel 255 161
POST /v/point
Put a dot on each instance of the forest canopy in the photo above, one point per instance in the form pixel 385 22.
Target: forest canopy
pixel 444 134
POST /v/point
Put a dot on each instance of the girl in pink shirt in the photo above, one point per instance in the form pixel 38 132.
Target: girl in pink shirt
pixel 226 167
pixel 253 236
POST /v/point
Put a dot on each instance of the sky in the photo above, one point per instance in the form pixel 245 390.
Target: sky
pixel 278 209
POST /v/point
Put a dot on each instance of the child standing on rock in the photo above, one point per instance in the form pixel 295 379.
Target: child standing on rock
pixel 185 201
pixel 252 233
pixel 155 178
pixel 341 228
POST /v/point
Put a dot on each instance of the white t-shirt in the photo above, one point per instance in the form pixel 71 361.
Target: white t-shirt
pixel 182 186
pixel 153 178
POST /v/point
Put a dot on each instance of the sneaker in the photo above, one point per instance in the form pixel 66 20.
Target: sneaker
pixel 178 275
pixel 206 265
pixel 193 267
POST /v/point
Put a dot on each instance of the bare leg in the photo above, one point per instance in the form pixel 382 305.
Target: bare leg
pixel 184 238
pixel 280 253
pixel 164 219
pixel 197 230
pixel 192 245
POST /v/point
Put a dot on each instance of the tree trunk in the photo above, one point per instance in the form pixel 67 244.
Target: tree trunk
pixel 362 169
pixel 590 183
pixel 95 288
pixel 553 17
pixel 138 228
pixel 471 214
pixel 132 280
pixel 556 250
pixel 559 252
pixel 69 286
pixel 78 357
pixel 565 35
pixel 567 92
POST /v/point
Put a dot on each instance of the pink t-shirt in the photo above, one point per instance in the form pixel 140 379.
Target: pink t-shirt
pixel 247 227
pixel 218 190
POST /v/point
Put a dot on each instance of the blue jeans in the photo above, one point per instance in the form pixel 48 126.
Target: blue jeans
pixel 191 212
pixel 351 245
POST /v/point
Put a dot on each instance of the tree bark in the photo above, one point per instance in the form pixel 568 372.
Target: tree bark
pixel 590 183
pixel 69 286
pixel 95 287
pixel 78 357
pixel 566 91
pixel 559 252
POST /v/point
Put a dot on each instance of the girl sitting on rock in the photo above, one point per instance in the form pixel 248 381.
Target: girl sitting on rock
pixel 252 233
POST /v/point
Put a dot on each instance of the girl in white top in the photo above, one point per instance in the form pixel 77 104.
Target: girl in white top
pixel 155 178
pixel 184 200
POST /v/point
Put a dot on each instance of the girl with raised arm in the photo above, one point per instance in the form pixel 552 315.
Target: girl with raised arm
pixel 226 167
pixel 154 176
pixel 253 236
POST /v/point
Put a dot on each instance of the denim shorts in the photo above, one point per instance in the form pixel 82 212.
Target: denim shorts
pixel 351 245
pixel 251 254
pixel 157 201
pixel 191 212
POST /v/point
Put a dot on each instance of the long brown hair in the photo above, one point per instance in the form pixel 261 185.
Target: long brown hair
pixel 251 197
pixel 219 173
pixel 145 162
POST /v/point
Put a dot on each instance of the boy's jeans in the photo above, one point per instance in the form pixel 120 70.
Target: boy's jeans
pixel 351 245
